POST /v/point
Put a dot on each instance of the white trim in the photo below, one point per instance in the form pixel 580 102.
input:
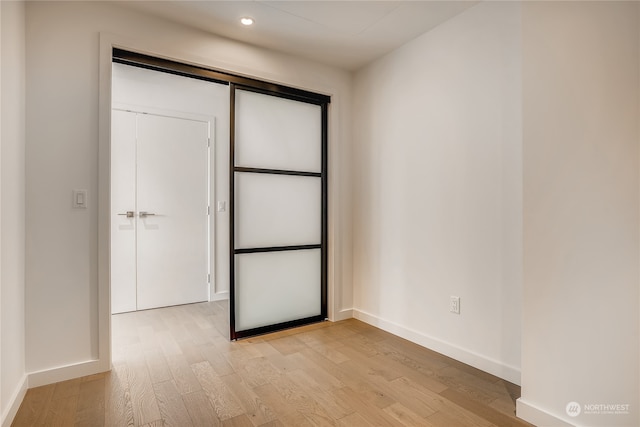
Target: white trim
pixel 63 373
pixel 342 315
pixel 15 402
pixel 492 366
pixel 103 361
pixel 536 416
pixel 219 296
pixel 145 109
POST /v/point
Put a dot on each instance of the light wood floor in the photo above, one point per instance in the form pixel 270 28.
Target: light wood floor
pixel 175 367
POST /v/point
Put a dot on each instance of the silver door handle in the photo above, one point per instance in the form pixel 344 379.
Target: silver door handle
pixel 144 214
pixel 129 214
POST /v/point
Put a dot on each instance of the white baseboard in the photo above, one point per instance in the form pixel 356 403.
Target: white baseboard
pixel 15 402
pixel 342 315
pixel 220 296
pixel 63 373
pixel 494 367
pixel 537 416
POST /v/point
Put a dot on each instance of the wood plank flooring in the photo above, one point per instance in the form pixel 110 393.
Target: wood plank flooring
pixel 175 367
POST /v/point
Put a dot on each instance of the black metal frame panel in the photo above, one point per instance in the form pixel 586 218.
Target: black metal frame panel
pixel 316 99
pixel 265 88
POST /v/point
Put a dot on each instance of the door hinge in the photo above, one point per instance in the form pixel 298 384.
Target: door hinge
pixel 208 278
pixel 208 210
pixel 208 142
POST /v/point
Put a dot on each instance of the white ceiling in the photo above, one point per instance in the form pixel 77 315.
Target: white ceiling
pixel 347 34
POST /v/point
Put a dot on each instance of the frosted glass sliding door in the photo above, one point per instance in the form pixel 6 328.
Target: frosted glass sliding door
pixel 278 186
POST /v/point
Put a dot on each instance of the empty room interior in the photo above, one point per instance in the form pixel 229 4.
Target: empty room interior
pixel 300 213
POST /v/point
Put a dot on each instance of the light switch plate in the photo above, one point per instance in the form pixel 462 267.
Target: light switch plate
pixel 79 199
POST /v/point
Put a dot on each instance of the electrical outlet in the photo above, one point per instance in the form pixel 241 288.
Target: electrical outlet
pixel 454 305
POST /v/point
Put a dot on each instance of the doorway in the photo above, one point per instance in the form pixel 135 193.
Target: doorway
pixel 277 222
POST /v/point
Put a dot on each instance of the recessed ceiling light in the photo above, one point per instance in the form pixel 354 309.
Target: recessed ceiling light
pixel 246 21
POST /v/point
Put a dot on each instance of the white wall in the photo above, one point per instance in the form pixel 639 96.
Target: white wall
pixel 64 270
pixel 581 215
pixel 12 201
pixel 437 209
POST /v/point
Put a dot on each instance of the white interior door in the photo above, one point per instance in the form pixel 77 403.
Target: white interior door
pixel 168 196
pixel 173 191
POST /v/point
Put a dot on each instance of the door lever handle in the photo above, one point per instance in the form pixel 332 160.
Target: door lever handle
pixel 144 214
pixel 128 214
